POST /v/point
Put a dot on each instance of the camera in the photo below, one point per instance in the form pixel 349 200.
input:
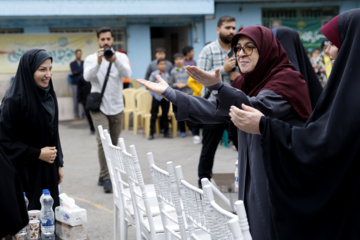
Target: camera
pixel 108 53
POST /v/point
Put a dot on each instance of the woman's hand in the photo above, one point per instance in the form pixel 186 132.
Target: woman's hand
pixel 61 175
pixel 246 119
pixel 48 154
pixel 205 78
pixel 155 87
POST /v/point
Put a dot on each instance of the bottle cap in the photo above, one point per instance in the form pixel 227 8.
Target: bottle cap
pixel 24 193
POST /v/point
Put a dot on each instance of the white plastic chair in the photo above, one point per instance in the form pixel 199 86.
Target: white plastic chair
pixel 118 206
pixel 243 221
pixel 147 225
pixel 219 218
pixel 168 193
pixel 194 208
pixel 124 214
pixel 235 228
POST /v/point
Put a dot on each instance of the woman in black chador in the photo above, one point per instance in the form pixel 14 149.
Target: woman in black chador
pixel 29 132
pixel 314 171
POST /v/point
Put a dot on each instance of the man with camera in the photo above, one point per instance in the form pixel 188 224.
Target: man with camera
pixel 105 70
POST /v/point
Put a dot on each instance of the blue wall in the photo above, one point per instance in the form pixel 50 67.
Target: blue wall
pixel 139 49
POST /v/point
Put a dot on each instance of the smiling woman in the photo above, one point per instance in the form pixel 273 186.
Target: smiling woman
pixel 29 127
pixel 43 74
pixel 267 82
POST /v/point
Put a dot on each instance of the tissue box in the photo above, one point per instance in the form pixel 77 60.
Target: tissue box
pixel 66 232
pixel 72 217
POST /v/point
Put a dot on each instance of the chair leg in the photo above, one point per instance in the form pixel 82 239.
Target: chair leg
pixel 116 222
pixel 147 119
pixel 174 126
pixel 157 126
pixel 126 120
pixel 136 119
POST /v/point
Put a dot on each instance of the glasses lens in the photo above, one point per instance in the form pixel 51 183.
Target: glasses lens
pixel 235 49
pixel 247 50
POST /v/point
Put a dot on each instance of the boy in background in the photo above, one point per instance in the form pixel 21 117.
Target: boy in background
pixel 179 78
pixel 159 100
pixel 188 52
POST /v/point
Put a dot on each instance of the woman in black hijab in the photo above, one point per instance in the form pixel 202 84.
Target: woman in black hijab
pixel 290 40
pixel 268 82
pixel 314 171
pixel 29 132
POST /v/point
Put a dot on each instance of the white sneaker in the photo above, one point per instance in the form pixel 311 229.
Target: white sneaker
pixel 196 139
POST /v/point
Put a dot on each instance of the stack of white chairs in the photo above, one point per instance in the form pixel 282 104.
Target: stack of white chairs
pixel 120 205
pixel 158 211
pixel 168 193
pixel 148 226
pixel 124 213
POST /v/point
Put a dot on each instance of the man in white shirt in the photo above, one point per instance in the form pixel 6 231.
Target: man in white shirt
pixel 110 115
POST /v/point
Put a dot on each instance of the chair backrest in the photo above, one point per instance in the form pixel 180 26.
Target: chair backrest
pixel 120 175
pixel 143 101
pixel 106 141
pixel 129 96
pixel 135 84
pixel 167 192
pixel 218 217
pixel 138 192
pixel 235 228
pixel 244 224
pixel 194 205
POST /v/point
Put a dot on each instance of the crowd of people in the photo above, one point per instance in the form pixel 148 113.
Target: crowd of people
pixel 297 142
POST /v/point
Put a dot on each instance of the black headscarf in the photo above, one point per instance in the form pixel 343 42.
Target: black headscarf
pixel 29 122
pixel 314 171
pixel 273 71
pixel 290 40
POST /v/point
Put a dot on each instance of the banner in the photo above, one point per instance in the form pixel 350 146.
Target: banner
pixel 60 46
pixel 309 31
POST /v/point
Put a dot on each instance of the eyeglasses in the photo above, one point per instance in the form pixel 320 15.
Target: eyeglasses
pixel 247 50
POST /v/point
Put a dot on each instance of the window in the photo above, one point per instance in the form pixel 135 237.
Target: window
pixel 273 17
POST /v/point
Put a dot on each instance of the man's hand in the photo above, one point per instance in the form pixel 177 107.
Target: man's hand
pixel 203 77
pixel 155 87
pixel 100 54
pixel 246 119
pixel 48 154
pixel 229 64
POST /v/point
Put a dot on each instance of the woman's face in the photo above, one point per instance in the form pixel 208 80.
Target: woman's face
pixel 43 74
pixel 332 51
pixel 246 60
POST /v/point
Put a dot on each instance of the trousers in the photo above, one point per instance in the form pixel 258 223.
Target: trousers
pixel 113 123
pixel 212 134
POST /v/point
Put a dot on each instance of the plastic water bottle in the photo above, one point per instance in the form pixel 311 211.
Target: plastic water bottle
pixel 47 214
pixel 236 174
pixel 42 195
pixel 23 231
